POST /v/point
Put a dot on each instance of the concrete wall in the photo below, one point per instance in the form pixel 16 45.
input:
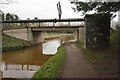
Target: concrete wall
pixel 81 35
pixel 38 36
pixel 18 33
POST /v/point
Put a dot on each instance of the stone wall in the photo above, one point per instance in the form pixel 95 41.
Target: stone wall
pixel 97 31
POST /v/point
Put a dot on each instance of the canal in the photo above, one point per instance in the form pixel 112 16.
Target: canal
pixel 24 63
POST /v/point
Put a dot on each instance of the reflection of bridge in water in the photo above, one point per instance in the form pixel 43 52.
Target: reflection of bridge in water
pixel 20 67
pixel 35 27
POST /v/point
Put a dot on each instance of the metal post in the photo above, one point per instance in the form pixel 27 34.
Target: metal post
pixel 22 67
pixel 27 67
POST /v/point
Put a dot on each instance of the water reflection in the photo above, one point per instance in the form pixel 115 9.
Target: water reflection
pixel 20 67
pixel 50 47
pixel 24 63
pixel 29 56
pixel 28 60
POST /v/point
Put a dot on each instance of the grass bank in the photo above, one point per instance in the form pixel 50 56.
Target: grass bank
pixel 11 43
pixel 105 62
pixel 52 68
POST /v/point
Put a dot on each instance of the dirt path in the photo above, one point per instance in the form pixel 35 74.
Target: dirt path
pixel 76 66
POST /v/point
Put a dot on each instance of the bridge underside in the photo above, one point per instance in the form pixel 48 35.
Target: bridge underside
pixel 54 29
pixel 35 27
pixel 34 33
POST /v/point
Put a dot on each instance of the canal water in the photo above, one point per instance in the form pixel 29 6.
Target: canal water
pixel 24 63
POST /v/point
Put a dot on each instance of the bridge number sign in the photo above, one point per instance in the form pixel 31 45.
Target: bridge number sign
pixel 59 10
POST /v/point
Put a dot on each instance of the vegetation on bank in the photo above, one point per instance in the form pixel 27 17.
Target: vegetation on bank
pixel 52 68
pixel 104 61
pixel 11 43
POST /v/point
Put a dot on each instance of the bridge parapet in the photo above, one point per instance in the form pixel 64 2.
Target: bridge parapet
pixel 43 23
pixel 58 24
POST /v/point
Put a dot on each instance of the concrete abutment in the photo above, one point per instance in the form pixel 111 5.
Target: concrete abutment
pixel 34 36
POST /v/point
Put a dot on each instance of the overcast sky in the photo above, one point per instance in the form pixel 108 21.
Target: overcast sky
pixel 40 8
pixel 43 9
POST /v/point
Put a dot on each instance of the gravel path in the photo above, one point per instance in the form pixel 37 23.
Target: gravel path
pixel 76 66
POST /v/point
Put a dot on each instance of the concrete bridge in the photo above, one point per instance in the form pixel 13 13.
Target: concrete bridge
pixel 35 27
pixel 96 30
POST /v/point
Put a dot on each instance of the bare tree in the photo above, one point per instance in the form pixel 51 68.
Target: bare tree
pixel 6 1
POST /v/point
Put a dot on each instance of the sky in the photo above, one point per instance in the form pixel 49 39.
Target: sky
pixel 43 9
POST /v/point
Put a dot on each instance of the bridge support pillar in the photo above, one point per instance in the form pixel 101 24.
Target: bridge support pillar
pixel 29 35
pixel 81 35
pixel 76 36
pixel 34 36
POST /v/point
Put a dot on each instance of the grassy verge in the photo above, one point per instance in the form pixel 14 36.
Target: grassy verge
pixel 104 61
pixel 10 43
pixel 52 68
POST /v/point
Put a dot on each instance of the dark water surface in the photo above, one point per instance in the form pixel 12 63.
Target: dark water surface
pixel 24 63
pixel 29 59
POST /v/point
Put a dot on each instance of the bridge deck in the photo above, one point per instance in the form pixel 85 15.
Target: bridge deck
pixel 45 20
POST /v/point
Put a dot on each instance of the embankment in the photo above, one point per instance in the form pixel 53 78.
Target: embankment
pixel 105 62
pixel 11 43
pixel 52 68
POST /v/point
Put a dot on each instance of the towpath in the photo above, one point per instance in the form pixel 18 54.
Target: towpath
pixel 76 66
